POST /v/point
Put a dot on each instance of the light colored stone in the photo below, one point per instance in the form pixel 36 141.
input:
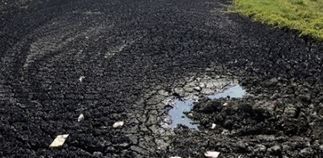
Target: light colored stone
pixel 163 92
pixel 225 132
pixel 197 88
pixel 213 126
pixel 260 148
pixel 118 124
pixel 81 78
pixel 212 154
pixel 191 84
pixel 179 91
pixel 209 85
pixel 321 148
pixel 188 89
pixel 80 118
pixel 59 140
pixel 202 85
pixel 275 149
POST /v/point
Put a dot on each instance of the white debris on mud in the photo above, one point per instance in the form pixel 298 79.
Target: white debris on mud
pixel 118 124
pixel 59 140
pixel 80 118
pixel 213 126
pixel 81 78
pixel 212 154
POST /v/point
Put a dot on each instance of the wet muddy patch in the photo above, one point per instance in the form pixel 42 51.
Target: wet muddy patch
pixel 177 105
pixel 258 125
pixel 182 98
pixel 181 107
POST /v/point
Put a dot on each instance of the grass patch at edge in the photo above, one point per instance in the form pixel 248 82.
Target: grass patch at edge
pixel 303 15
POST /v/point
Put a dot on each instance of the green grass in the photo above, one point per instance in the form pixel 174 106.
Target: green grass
pixel 305 16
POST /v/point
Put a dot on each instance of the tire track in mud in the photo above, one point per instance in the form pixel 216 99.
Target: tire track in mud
pixel 45 66
pixel 127 52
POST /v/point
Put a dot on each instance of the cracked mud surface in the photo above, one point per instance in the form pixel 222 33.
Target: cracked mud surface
pixel 124 60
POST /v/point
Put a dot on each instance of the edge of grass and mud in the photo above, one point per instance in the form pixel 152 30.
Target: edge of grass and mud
pixel 304 16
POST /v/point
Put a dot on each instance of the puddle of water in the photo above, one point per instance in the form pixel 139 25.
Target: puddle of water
pixel 177 115
pixel 234 92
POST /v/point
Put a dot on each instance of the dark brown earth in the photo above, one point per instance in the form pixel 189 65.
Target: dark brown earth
pixel 118 60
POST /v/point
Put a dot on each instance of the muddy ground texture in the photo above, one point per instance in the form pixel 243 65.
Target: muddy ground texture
pixel 121 60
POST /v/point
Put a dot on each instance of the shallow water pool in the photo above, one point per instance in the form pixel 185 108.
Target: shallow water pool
pixel 180 106
pixel 234 92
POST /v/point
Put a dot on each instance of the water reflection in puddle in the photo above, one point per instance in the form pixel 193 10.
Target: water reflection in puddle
pixel 233 92
pixel 178 117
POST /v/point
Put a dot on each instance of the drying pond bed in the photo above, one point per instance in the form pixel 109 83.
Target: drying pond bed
pixel 108 73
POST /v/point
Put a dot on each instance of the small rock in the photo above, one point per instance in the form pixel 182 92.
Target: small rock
pixel 161 144
pixel 163 92
pixel 290 111
pixel 225 104
pixel 306 152
pixel 59 140
pixel 213 126
pixel 275 149
pixel 153 128
pixel 81 78
pixel 241 145
pixel 118 124
pixel 124 145
pixel 179 91
pixel 225 132
pixel 110 149
pixel 188 89
pixel 202 85
pixel 197 88
pixel 209 69
pixel 267 138
pixel 321 148
pixel 260 148
pixel 80 118
pixel 124 153
pixel 97 153
pixel 175 157
pixel 212 154
pixel 273 81
pixel 209 85
pixel 190 115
